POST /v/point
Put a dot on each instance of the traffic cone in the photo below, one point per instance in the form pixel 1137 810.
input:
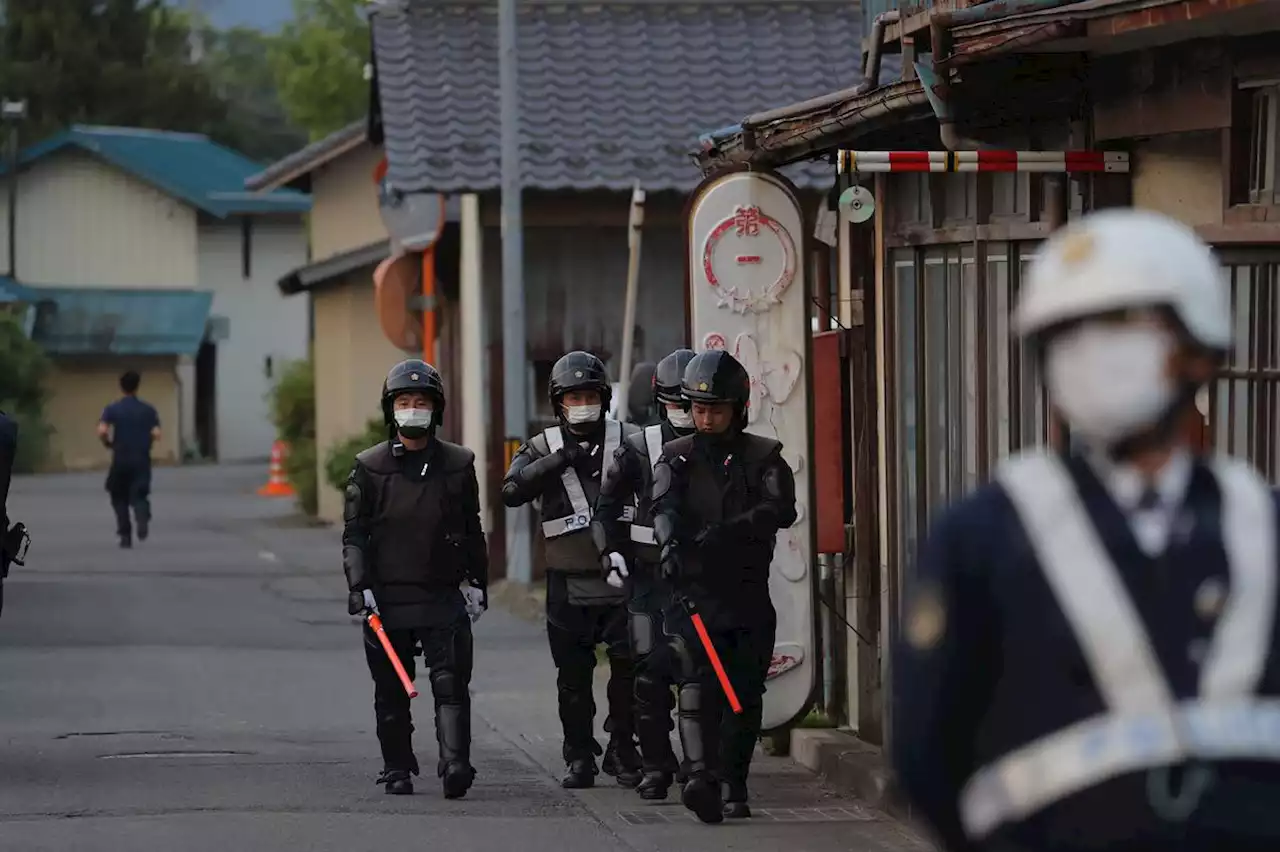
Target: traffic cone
pixel 277 483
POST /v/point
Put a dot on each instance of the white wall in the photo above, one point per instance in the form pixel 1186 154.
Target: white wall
pixel 84 223
pixel 263 324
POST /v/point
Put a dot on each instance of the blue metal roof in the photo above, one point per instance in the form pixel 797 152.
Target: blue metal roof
pixel 97 321
pixel 187 166
pixel 12 291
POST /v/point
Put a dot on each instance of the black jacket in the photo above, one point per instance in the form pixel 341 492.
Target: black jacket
pixel 412 524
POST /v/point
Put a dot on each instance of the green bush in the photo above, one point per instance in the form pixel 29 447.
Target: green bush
pixel 23 367
pixel 293 411
pixel 342 455
pixel 300 467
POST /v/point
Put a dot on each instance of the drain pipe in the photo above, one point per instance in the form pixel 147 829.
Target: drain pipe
pixel 875 51
pixel 936 76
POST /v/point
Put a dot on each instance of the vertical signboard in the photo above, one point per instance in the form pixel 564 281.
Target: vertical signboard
pixel 748 294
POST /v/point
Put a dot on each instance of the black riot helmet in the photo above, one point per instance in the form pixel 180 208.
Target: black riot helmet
pixel 716 376
pixel 412 376
pixel 668 377
pixel 579 371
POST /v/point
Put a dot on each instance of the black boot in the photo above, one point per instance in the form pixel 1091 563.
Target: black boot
pixel 580 775
pixel 735 801
pixel 453 735
pixel 682 774
pixel 654 786
pixel 702 796
pixel 456 779
pixel 622 761
pixel 397 781
pixel 126 541
pixel 143 527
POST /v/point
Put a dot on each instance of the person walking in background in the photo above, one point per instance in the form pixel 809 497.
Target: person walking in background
pixel 129 427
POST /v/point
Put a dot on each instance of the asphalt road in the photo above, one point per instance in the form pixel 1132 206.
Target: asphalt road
pixel 207 691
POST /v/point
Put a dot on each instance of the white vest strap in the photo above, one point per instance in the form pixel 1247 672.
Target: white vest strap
pixel 581 517
pixel 653 446
pixel 1085 583
pixel 653 443
pixel 1144 728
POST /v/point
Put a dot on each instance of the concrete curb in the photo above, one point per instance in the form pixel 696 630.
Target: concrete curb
pixel 852 766
pixel 522 600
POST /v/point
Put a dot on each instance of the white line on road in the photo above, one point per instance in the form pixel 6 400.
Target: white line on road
pixel 268 555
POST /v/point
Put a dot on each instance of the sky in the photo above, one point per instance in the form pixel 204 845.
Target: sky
pixel 265 15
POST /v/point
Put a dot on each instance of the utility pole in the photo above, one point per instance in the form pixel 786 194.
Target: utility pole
pixel 515 371
pixel 13 113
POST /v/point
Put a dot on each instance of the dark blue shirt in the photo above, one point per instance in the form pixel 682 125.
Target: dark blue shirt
pixel 132 421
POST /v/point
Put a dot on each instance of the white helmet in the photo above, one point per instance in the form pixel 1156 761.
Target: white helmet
pixel 1124 258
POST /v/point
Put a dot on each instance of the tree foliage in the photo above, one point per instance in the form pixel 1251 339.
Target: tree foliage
pixel 239 65
pixel 319 59
pixel 118 62
pixel 23 367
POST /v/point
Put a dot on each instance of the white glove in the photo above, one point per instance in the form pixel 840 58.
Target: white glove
pixel 474 599
pixel 618 571
pixel 369 603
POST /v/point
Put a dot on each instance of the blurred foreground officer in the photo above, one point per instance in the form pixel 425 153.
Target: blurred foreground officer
pixel 628 550
pixel 413 552
pixel 13 539
pixel 720 497
pixel 562 467
pixel 1090 657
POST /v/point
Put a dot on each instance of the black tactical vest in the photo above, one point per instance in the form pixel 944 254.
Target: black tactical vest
pixel 416 519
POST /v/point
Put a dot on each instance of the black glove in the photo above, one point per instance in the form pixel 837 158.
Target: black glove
pixel 710 537
pixel 361 601
pixel 572 453
pixel 672 564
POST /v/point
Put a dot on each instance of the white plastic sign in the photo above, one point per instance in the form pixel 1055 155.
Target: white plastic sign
pixel 748 294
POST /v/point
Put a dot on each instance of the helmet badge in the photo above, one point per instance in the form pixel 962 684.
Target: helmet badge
pixel 1077 248
pixel 702 386
pixel 413 377
pixel 577 374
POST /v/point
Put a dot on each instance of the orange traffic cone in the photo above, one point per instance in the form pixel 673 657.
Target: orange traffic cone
pixel 277 484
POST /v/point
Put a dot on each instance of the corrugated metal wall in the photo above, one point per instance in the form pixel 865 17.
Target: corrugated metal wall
pixel 575 286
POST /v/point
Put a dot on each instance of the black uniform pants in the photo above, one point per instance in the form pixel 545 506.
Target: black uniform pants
pixel 717 741
pixel 573 631
pixel 657 671
pixel 447 653
pixel 129 487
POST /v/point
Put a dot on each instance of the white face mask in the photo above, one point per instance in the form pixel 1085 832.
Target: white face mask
pixel 1109 381
pixel 414 418
pixel 679 419
pixel 579 414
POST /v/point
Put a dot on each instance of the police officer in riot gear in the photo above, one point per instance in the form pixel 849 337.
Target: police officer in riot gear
pixel 413 551
pixel 13 539
pixel 720 496
pixel 640 405
pixel 629 550
pixel 1090 656
pixel 562 467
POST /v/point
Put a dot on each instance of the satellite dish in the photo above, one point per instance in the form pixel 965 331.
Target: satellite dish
pixel 859 203
pixel 413 220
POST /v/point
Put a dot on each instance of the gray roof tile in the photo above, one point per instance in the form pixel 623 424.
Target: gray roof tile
pixel 611 92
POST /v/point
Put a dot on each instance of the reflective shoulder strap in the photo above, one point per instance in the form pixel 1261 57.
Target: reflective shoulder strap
pixel 612 439
pixel 1085 583
pixel 1242 641
pixel 573 490
pixel 653 443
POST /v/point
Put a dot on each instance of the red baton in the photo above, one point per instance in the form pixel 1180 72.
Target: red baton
pixel 715 660
pixel 375 624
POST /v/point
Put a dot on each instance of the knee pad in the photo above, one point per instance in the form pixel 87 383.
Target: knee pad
pixel 690 699
pixel 444 685
pixel 642 634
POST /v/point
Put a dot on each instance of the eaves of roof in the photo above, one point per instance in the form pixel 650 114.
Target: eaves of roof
pixel 310 158
pixel 808 129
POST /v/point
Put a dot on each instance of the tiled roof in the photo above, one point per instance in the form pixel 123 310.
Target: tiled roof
pixel 305 160
pixel 96 321
pixel 188 166
pixel 610 92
